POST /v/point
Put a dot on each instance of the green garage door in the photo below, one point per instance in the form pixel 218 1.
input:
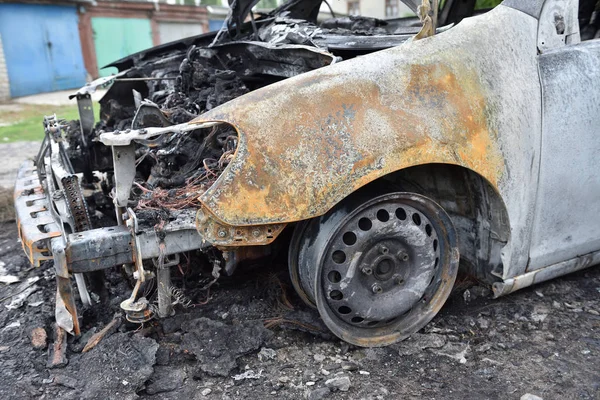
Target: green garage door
pixel 116 38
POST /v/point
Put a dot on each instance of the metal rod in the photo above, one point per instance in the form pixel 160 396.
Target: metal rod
pixel 163 278
pixel 143 79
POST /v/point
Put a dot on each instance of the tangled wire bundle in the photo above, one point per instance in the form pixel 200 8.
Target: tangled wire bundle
pixel 188 195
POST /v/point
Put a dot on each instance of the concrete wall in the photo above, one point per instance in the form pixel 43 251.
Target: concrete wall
pixel 373 8
pixel 170 31
pixel 338 6
pixel 4 84
pixel 368 8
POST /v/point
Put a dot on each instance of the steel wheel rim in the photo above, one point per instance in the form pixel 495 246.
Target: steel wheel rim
pixel 347 296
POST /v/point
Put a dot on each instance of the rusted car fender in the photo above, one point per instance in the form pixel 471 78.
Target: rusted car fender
pixel 469 97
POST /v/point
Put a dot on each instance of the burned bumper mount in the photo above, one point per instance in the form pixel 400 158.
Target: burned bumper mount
pixel 44 237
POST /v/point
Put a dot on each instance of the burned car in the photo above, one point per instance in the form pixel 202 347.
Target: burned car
pixel 382 154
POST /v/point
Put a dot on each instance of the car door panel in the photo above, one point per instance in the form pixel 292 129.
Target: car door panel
pixel 567 216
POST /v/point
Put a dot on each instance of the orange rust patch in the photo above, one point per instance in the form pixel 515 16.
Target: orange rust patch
pixel 310 145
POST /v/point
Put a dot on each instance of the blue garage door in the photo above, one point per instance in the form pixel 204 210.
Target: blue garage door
pixel 215 24
pixel 41 48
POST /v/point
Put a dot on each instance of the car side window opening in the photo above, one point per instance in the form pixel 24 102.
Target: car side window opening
pixel 589 19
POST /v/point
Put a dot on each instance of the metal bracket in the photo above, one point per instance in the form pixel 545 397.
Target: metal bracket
pixel 220 234
pixel 86 116
pixel 66 310
pixel 99 249
pixel 124 163
pixel 118 138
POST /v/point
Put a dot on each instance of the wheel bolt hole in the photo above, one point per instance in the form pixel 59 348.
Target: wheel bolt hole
pixel 383 215
pixel 401 214
pixel 334 277
pixel 416 219
pixel 345 310
pixel 428 230
pixel 349 238
pixel 336 295
pixel 377 289
pixel 339 257
pixel 365 224
pixel 357 320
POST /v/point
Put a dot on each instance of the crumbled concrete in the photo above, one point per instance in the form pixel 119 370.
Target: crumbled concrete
pixel 118 367
pixel 419 342
pixel 529 396
pixel 341 383
pixel 166 379
pixel 39 338
pixel 218 346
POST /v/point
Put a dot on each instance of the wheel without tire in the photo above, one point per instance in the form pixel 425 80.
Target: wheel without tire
pixel 377 270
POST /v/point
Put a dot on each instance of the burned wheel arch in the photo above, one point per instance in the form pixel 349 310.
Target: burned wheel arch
pixel 349 125
pixel 360 120
pixel 475 207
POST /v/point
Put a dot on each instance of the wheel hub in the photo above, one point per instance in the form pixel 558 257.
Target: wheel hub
pixel 379 265
pixel 377 270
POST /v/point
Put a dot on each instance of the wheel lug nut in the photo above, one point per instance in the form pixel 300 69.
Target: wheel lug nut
pixel 399 280
pixel 376 288
pixel 403 256
pixel 367 270
pixel 384 250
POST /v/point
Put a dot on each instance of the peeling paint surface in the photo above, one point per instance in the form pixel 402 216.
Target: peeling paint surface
pixel 467 97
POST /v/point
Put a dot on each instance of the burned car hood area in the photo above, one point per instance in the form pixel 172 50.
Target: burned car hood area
pixel 126 190
pixel 222 151
pixel 175 83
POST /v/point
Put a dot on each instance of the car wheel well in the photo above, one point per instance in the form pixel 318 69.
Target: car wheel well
pixel 475 207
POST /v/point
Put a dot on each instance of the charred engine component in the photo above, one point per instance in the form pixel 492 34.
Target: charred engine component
pixel 142 168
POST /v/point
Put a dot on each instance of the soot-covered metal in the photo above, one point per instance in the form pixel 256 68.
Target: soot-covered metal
pixel 176 85
pixel 139 172
pixel 219 150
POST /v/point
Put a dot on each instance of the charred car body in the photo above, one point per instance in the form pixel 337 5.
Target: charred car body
pixel 425 146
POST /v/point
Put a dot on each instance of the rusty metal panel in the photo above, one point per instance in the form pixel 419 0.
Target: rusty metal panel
pixel 35 222
pixel 469 96
pixel 567 218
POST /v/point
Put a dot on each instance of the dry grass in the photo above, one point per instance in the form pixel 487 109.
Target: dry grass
pixel 7 210
pixel 25 122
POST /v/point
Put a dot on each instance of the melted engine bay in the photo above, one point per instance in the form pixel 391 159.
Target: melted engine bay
pixel 152 219
pixel 172 85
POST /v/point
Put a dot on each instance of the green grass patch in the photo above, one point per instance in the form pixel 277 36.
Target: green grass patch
pixel 7 210
pixel 26 120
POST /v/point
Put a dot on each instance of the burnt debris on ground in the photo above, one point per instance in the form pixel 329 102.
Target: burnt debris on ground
pixel 237 343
